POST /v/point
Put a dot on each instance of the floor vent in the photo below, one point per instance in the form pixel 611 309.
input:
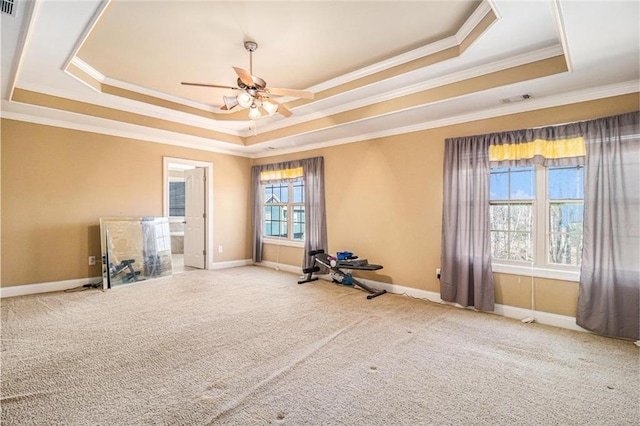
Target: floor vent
pixel 7 6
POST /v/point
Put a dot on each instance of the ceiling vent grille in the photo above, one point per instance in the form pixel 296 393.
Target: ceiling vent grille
pixel 7 7
pixel 516 98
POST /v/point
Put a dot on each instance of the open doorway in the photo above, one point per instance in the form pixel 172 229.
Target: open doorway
pixel 187 200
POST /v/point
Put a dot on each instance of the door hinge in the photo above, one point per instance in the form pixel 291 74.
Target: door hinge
pixel 204 215
pixel 204 252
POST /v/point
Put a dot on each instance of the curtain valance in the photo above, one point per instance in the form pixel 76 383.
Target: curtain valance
pixel 283 172
pixel 562 145
pixel 282 175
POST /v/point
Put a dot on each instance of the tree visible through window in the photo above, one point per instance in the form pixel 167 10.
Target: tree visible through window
pixel 536 214
pixel 565 195
pixel 284 213
pixel 512 194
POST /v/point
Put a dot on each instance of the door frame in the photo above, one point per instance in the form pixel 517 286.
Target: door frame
pixel 208 166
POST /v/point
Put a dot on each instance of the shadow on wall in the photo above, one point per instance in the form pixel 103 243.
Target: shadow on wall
pixel 374 277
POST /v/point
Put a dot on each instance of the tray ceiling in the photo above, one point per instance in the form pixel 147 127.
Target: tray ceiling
pixel 376 68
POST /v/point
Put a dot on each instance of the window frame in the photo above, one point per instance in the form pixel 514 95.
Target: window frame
pixel 540 267
pixel 289 206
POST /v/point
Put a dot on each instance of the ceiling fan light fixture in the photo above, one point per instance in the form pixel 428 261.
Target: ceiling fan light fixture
pixel 245 100
pixel 254 113
pixel 270 107
pixel 230 101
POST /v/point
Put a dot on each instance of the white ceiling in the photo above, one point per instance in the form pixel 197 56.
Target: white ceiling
pixel 148 47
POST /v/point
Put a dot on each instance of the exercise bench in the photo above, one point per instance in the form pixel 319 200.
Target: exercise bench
pixel 337 266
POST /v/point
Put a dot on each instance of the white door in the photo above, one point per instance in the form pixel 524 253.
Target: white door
pixel 194 216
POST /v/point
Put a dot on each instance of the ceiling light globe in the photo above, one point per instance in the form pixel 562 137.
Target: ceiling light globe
pixel 245 100
pixel 254 113
pixel 271 108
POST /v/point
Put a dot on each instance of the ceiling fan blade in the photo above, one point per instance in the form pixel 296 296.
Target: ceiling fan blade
pixel 209 85
pixel 290 92
pixel 244 75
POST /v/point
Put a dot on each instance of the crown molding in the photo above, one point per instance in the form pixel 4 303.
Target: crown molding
pixel 161 95
pixel 94 73
pixel 125 105
pixel 23 41
pixel 169 138
pixel 584 95
pixel 556 9
pixel 476 17
pixel 132 131
pixel 456 77
pixel 104 4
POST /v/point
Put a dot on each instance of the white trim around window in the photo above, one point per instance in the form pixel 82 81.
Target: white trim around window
pixel 532 271
pixel 541 268
pixel 283 242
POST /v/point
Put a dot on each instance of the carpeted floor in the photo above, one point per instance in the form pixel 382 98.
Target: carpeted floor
pixel 249 346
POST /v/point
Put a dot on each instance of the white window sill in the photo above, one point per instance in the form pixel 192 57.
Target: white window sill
pixel 528 271
pixel 283 242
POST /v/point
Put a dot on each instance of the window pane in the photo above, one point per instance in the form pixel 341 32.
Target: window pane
pixel 566 217
pixel 499 186
pixel 499 217
pixel 521 217
pixel 521 246
pixel 565 249
pixel 298 192
pixel 176 198
pixel 298 222
pixel 513 183
pixel 522 185
pixel 566 183
pixel 499 245
pixel 283 193
pixel 275 222
pixel 268 194
pixel 276 193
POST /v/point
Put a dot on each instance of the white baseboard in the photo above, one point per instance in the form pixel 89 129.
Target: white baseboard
pixel 22 290
pixel 281 267
pixel 231 264
pixel 540 317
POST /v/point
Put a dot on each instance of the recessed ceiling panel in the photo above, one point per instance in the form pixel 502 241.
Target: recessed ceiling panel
pixel 157 45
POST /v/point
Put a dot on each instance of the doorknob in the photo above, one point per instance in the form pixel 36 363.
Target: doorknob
pixel 184 221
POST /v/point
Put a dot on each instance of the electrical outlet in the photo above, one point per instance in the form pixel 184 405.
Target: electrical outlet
pixel 219 249
pixel 92 260
pixel 438 273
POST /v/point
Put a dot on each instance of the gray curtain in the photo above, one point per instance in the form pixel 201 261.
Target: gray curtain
pixel 314 199
pixel 257 195
pixel 466 276
pixel 609 294
pixel 315 232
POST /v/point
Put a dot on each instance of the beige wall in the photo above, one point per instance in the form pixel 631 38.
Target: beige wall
pixel 57 183
pixel 384 202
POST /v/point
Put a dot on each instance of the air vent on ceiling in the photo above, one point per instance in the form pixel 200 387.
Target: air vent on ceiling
pixel 7 6
pixel 516 98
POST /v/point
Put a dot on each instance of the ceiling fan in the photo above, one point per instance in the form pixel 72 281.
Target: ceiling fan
pixel 255 93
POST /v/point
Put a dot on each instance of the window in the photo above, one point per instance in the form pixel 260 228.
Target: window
pixel 284 213
pixel 176 198
pixel 536 216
